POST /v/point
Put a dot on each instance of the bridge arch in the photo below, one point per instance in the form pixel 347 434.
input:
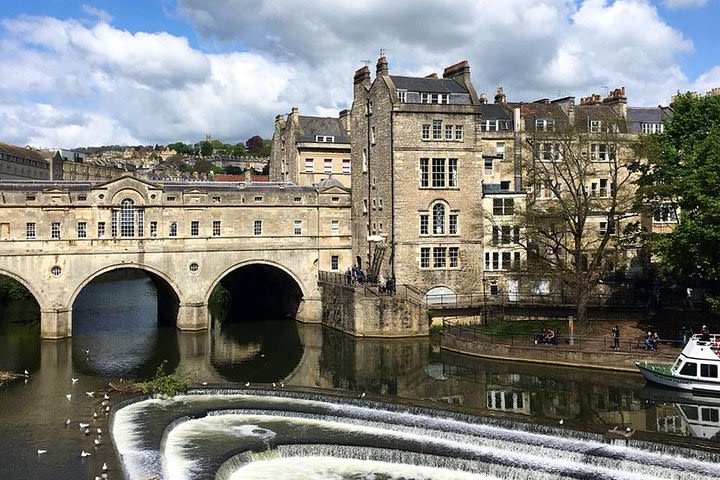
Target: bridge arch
pixel 30 287
pixel 292 290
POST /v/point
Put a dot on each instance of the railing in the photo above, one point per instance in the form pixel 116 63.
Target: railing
pixel 403 291
pixel 471 334
pixel 476 300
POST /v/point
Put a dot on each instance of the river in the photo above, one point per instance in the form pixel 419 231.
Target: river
pixel 116 335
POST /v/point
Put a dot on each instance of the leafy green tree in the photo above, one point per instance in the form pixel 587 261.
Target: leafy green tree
pixel 206 149
pixel 181 148
pixel 205 166
pixel 254 144
pixel 238 150
pixel 680 170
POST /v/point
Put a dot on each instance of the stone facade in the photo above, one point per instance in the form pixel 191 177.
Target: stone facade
pixel 56 237
pixel 306 150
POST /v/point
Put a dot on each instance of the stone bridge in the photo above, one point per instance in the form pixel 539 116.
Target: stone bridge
pixel 57 237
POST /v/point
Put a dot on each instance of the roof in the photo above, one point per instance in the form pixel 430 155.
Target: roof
pixel 330 182
pixel 605 113
pixel 431 85
pixel 21 152
pixel 311 126
pixel 638 115
pixel 494 111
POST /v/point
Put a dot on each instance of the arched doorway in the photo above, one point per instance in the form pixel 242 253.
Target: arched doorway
pixel 19 326
pixel 124 323
pixel 440 295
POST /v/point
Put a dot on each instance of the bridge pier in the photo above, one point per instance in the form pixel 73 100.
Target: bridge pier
pixel 193 316
pixel 55 323
pixel 309 311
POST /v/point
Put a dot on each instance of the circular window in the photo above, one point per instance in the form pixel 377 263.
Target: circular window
pixel 152 196
pixel 101 196
pixel 194 267
pixel 56 271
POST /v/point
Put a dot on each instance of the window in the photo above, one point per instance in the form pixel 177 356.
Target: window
pixel 607 228
pixel 604 191
pixel 448 132
pixel 309 165
pixel 335 227
pixel 458 132
pixel 327 165
pixel 494 125
pixel 216 199
pixel 402 96
pixel 438 219
pixel 258 198
pixel 426 131
pixel 549 190
pixel 505 234
pixel 505 185
pixel 297 199
pixel 708 370
pixel 372 135
pixel 216 228
pixel 439 257
pixel 346 166
pixel 544 124
pixel 503 206
pixel 434 97
pixel 297 227
pixel 365 205
pixel 380 204
pixel 324 138
pixel 334 262
pixel 453 224
pixel 502 260
pixel 194 228
pixel 82 197
pixel 652 128
pixel 595 126
pixel 500 150
pixel 29 198
pixel 425 257
pixel 665 213
pixel 30 230
pixel 101 229
pixel 454 257
pixel 689 369
pixel 257 227
pixel 488 162
pixel 335 199
pixel 452 173
pixel 601 152
pixel 82 229
pixel 127 218
pixel 55 230
pixel 548 152
pixel 173 229
pixel 424 172
pixel 437 129
pixel 365 160
pixel 153 229
pixel 170 198
pixel 424 221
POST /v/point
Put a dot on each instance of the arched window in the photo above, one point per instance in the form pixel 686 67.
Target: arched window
pixel 439 219
pixel 127 218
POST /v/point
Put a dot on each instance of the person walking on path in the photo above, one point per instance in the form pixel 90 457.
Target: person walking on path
pixel 616 337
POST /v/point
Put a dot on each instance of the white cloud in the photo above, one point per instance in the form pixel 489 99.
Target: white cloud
pixel 88 84
pixel 98 13
pixel 685 3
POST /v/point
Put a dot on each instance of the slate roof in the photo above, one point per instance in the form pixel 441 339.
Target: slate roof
pixel 21 152
pixel 428 85
pixel 605 113
pixel 311 126
pixel 494 111
pixel 639 115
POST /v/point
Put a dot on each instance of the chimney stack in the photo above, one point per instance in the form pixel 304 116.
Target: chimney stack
pixel 362 76
pixel 618 101
pixel 381 68
pixel 500 95
pixel 460 71
pixel 483 98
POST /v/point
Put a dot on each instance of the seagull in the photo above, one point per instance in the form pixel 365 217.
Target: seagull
pixel 74 380
pixel 282 385
pixel 274 385
pixel 561 421
pixel 97 442
pixel 107 409
pixel 84 454
pixel 105 397
pixel 90 394
pixel 104 402
pixel 99 431
pixel 87 352
pixel 84 425
pixel 68 396
pixel 40 452
pixel 26 373
pixel 67 422
pixel 247 384
pixel 204 383
pixel 262 355
pixel 104 467
pixel 628 430
pixel 87 431
pixel 362 395
pixel 94 414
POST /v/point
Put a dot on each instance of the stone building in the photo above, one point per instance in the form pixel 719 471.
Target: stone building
pixel 307 149
pixel 22 163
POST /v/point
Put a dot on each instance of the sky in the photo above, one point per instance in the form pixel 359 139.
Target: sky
pixel 131 72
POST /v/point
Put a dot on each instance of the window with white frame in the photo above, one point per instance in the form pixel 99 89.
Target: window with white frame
pixel 544 124
pixel 500 150
pixel 453 224
pixel 127 218
pixel 216 228
pixel 101 229
pixel 194 228
pixel 55 230
pixel 439 257
pixel 82 229
pixel 334 227
pixel 488 166
pixel 547 190
pixel 652 128
pixel 548 152
pixel 607 228
pixel 424 224
pixel 426 131
pixel 434 97
pixel 346 166
pixel 257 227
pixel 665 213
pixel 297 227
pixel 458 132
pixel 595 126
pixel 453 257
pixel 437 129
pixel 173 229
pixel 501 260
pixel 30 230
pixel 425 172
pixel 153 229
pixel 438 213
pixel 503 206
pixel 505 234
pixel 327 165
pixel 602 152
pixel 324 138
pixel 364 160
pixel 402 96
pixel 494 125
pixel 444 173
pixel 309 165
pixel 425 257
pixel 448 132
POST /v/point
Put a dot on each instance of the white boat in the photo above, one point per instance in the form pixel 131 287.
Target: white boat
pixel 695 370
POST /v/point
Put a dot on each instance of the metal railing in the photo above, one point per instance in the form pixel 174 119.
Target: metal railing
pixel 479 299
pixel 403 291
pixel 471 334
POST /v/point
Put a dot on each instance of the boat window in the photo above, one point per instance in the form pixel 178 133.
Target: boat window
pixel 690 412
pixel 690 368
pixel 710 415
pixel 708 370
pixel 677 364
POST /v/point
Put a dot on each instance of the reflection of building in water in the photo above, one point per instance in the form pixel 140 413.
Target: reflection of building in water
pixel 514 401
pixel 671 424
pixel 702 421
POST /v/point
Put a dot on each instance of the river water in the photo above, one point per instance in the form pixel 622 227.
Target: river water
pixel 115 335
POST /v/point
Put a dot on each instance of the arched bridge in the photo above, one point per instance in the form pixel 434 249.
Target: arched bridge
pixel 56 237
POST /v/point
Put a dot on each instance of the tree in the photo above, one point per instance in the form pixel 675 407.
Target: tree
pixel 205 166
pixel 238 150
pixel 582 196
pixel 181 148
pixel 680 172
pixel 254 144
pixel 206 149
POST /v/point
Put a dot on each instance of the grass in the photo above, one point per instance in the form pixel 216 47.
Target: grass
pixel 522 328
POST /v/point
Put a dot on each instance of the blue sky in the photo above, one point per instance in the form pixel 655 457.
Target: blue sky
pixel 155 71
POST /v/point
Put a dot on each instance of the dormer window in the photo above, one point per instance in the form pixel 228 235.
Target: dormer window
pixel 544 124
pixel 434 97
pixel 493 125
pixel 652 128
pixel 595 126
pixel 325 138
pixel 402 96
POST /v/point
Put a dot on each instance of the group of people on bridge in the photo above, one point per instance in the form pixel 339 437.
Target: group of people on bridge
pixel 355 276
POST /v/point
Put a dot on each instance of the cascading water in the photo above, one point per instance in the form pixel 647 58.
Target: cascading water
pixel 235 435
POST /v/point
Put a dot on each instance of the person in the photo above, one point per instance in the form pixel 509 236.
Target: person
pixel 705 333
pixel 540 336
pixel 550 337
pixel 381 283
pixel 685 334
pixel 616 337
pixel 348 276
pixel 650 342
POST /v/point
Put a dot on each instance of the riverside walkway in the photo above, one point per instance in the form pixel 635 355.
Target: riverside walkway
pixel 592 352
